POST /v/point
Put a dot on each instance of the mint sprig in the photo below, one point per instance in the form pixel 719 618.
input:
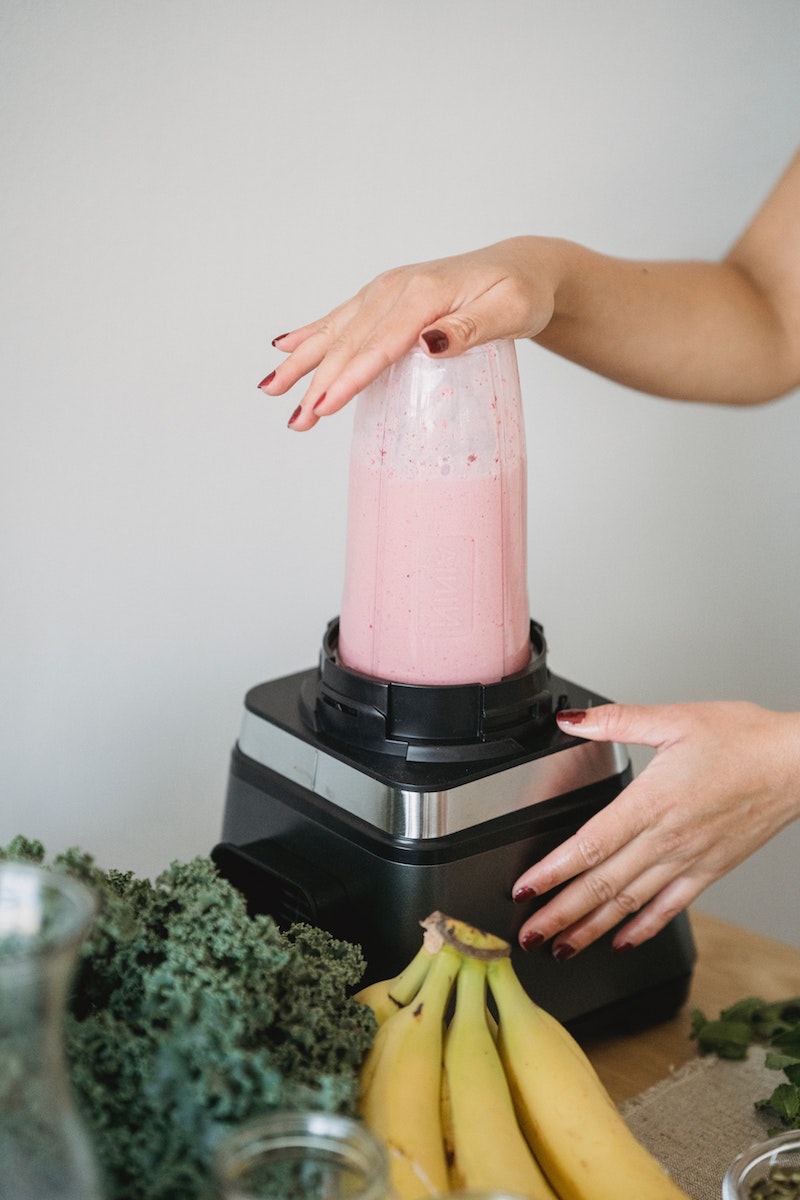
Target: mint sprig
pixel 752 1021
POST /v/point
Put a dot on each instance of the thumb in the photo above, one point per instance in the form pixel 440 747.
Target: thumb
pixel 637 724
pixel 477 322
pixel 451 336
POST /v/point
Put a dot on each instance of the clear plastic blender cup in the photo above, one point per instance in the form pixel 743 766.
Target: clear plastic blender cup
pixel 436 568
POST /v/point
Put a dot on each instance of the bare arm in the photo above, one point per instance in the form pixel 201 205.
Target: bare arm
pixel 726 332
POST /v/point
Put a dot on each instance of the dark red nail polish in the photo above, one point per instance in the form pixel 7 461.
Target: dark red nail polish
pixel 436 340
pixel 319 402
pixel 571 716
pixel 295 415
pixel 622 947
pixel 563 951
pixel 522 894
pixel 267 380
pixel 279 338
pixel 530 941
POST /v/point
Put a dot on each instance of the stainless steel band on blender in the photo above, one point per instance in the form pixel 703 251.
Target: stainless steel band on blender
pixel 406 813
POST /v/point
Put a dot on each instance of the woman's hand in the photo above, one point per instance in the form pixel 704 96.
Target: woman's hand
pixel 503 291
pixel 724 780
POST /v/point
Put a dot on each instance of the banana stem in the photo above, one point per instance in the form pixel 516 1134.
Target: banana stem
pixel 468 940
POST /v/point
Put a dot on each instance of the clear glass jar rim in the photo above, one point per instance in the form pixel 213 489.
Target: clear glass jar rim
pixel 333 1136
pixel 69 924
pixel 758 1155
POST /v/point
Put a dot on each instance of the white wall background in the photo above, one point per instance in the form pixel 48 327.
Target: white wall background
pixel 182 180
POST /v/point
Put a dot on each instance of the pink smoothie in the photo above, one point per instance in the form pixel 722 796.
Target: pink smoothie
pixel 435 591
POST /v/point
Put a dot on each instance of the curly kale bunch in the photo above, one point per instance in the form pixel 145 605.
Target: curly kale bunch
pixel 188 1016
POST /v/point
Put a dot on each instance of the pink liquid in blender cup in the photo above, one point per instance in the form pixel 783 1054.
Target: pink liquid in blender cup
pixel 435 573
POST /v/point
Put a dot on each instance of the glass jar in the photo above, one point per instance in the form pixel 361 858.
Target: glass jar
pixel 435 585
pixel 44 1148
pixel 302 1156
pixel 751 1170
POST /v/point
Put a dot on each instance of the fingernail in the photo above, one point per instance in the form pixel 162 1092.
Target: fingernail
pixel 571 716
pixel 562 951
pixel 436 340
pixel 522 894
pixel 267 380
pixel 319 402
pixel 295 415
pixel 279 338
pixel 622 947
pixel 531 940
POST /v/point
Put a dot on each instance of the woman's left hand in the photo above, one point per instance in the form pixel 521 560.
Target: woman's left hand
pixel 724 780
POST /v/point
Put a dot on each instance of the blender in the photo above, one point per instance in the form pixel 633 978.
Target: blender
pixel 418 766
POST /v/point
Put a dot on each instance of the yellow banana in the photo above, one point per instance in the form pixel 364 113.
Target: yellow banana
pixel 385 996
pixel 572 1125
pixel 447 1124
pixel 487 1147
pixel 401 1083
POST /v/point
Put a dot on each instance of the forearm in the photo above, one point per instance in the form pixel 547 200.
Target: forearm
pixel 685 330
pixel 726 332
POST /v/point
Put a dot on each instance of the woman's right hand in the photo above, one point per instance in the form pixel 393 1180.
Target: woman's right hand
pixel 502 291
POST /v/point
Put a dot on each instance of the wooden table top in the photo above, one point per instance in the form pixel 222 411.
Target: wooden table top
pixel 732 963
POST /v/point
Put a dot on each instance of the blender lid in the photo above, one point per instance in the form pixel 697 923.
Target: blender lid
pixel 470 722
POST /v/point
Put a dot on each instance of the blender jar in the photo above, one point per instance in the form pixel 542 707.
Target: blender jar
pixel 436 571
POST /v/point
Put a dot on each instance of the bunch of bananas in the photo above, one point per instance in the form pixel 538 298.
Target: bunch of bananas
pixel 478 1104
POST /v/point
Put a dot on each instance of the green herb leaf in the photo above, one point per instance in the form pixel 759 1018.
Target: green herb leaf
pixel 726 1039
pixel 747 1010
pixel 788 1040
pixel 785 1103
pixel 779 1062
pixel 778 1018
pixel 775 1025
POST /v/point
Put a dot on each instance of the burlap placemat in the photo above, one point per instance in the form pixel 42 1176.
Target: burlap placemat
pixel 698 1119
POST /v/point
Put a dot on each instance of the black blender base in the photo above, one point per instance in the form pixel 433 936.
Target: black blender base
pixel 299 858
pixel 289 890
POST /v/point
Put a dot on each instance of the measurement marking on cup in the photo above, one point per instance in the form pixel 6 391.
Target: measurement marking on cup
pixel 445 585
